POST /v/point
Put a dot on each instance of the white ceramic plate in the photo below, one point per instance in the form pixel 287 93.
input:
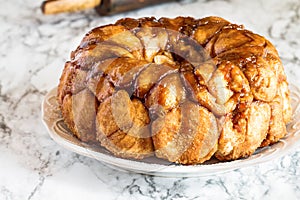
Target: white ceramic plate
pixel 154 166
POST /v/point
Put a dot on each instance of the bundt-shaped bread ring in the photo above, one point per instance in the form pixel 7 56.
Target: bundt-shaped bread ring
pixel 184 89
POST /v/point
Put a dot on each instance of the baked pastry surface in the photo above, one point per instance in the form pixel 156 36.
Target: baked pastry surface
pixel 183 89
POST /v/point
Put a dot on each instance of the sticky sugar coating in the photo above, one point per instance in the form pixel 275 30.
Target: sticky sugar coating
pixel 183 89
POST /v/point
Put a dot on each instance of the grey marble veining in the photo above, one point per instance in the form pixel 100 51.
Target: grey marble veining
pixel 33 49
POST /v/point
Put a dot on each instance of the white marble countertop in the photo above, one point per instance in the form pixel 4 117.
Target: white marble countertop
pixel 33 49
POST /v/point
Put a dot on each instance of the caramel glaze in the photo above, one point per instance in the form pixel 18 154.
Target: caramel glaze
pixel 231 78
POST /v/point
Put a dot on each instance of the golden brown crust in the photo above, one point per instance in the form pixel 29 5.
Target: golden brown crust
pixel 65 82
pixel 162 85
pixel 166 95
pixel 188 134
pixel 79 112
pixel 243 133
pixel 123 126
